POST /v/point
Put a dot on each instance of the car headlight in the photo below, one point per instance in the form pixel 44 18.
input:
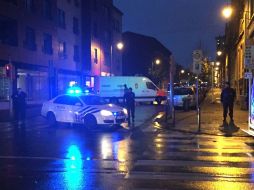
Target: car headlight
pixel 125 111
pixel 106 113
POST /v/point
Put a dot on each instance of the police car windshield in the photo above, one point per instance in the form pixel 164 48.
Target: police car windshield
pixel 93 100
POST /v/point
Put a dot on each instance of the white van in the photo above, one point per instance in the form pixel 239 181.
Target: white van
pixel 112 88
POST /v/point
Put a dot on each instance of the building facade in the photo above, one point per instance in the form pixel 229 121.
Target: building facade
pixel 48 43
pixel 101 30
pixel 239 38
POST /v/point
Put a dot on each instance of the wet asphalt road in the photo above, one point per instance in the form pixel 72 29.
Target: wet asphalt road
pixel 39 157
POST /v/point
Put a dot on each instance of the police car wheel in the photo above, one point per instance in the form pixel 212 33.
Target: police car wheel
pixel 51 119
pixel 90 121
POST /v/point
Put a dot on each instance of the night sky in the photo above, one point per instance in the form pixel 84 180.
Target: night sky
pixel 180 25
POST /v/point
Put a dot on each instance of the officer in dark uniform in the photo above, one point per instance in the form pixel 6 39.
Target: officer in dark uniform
pixel 130 104
pixel 19 105
pixel 228 95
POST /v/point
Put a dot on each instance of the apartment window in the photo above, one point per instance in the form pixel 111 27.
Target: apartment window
pixel 62 50
pixel 29 5
pixel 118 26
pixel 106 11
pixel 107 36
pixel 29 42
pixel 95 30
pixel 75 25
pixel 47 47
pixel 76 3
pixel 95 5
pixel 14 2
pixel 8 31
pixel 46 9
pixel 76 56
pixel 60 18
pixel 251 7
pixel 95 55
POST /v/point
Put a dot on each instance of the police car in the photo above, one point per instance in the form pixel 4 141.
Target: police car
pixel 87 109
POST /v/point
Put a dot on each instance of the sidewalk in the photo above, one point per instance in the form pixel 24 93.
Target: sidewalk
pixel 211 119
pixel 31 111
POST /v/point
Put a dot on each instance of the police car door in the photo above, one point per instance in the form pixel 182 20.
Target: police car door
pixel 73 104
pixel 60 108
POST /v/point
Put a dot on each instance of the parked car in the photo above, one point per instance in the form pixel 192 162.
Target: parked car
pixel 86 109
pixel 184 97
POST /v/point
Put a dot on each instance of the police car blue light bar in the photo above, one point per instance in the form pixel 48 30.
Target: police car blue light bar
pixel 74 91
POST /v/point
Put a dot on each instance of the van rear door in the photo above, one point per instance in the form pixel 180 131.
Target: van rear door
pixel 150 91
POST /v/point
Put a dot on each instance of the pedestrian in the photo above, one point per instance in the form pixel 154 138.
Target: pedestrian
pixel 19 105
pixel 130 104
pixel 15 106
pixel 228 95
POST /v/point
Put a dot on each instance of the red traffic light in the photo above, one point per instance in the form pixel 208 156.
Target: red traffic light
pixel 8 70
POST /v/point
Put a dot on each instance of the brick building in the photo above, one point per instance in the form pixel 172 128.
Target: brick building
pixel 48 43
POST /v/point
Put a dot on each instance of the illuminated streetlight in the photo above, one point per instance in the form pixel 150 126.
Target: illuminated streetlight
pixel 217 63
pixel 182 71
pixel 227 12
pixel 219 53
pixel 120 45
pixel 217 68
pixel 157 61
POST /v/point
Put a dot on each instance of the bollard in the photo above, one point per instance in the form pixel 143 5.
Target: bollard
pixel 199 118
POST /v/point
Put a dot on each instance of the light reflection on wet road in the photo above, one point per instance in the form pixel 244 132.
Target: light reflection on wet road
pixel 73 158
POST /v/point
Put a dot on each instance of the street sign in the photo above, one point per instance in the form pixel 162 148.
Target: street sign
pixel 197 61
pixel 248 75
pixel 249 57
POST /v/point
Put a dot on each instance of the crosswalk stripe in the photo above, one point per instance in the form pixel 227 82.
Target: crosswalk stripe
pixel 184 176
pixel 172 157
pixel 189 163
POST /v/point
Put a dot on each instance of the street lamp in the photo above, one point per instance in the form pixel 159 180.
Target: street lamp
pixel 227 12
pixel 212 79
pixel 157 62
pixel 219 53
pixel 181 72
pixel 217 63
pixel 119 46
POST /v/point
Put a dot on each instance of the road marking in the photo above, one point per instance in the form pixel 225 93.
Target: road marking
pixel 183 176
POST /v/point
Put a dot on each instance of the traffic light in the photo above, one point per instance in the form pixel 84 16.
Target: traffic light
pixel 8 71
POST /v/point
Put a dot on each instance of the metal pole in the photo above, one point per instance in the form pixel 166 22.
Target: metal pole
pixel 212 82
pixel 197 105
pixel 10 88
pixel 152 69
pixel 250 92
pixel 172 111
pixel 111 59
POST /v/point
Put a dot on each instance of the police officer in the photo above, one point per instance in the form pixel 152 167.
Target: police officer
pixel 130 104
pixel 19 105
pixel 228 95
